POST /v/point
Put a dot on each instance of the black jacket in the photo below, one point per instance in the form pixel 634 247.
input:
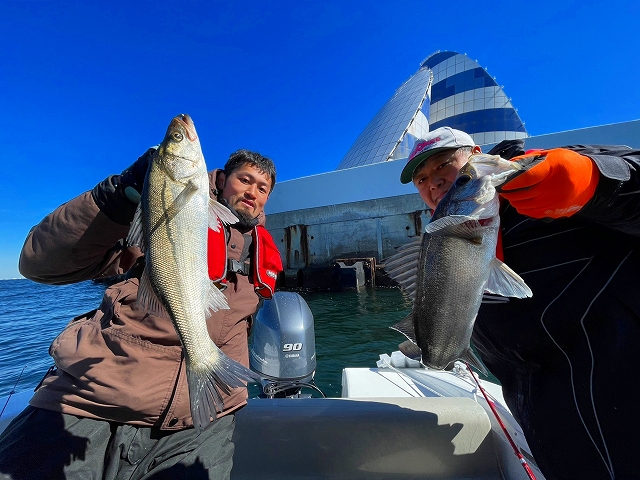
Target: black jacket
pixel 563 356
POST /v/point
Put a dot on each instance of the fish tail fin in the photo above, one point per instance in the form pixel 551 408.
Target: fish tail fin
pixel 203 400
pixel 219 375
pixel 472 359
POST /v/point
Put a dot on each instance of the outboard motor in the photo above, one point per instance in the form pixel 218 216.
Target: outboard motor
pixel 283 346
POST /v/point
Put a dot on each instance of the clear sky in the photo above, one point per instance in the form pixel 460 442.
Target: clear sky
pixel 86 86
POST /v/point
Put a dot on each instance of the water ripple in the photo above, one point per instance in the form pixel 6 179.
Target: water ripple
pixel 351 327
pixel 31 316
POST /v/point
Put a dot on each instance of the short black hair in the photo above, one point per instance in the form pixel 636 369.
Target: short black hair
pixel 242 157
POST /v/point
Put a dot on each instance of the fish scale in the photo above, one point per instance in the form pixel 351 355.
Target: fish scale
pixel 453 299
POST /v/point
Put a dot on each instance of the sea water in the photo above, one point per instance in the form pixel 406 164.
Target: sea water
pixel 351 328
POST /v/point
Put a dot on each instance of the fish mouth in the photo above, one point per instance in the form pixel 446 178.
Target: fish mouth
pixel 188 125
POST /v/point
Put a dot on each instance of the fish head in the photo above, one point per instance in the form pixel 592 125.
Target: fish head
pixel 180 155
pixel 473 192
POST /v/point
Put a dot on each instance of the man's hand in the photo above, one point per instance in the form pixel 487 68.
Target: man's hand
pixel 132 178
pixel 118 196
pixel 553 183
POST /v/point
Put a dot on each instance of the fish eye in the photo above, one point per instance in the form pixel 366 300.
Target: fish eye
pixel 463 180
pixel 177 136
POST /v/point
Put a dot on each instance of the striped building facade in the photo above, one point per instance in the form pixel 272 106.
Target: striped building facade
pixel 449 89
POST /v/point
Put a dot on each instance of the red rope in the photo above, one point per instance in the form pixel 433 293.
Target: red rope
pixel 523 461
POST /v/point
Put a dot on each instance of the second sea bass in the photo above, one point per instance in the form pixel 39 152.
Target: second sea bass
pixel 454 265
pixel 170 226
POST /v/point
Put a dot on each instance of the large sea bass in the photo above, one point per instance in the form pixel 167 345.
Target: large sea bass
pixel 454 265
pixel 170 226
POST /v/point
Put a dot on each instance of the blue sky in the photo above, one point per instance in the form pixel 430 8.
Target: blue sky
pixel 88 85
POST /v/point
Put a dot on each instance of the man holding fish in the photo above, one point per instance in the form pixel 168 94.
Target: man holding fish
pixel 147 384
pixel 565 352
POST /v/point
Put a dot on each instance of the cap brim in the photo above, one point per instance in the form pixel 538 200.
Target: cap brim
pixel 407 172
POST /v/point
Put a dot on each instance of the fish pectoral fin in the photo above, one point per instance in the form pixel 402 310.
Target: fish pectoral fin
pixel 215 300
pixel 406 328
pixel 504 281
pixel 472 359
pixel 219 213
pixel 136 234
pixel 176 206
pixel 147 299
pixel 182 199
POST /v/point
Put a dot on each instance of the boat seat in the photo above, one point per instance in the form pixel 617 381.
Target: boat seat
pixel 372 438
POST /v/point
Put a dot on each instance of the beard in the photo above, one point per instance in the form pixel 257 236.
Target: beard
pixel 245 220
pixel 244 216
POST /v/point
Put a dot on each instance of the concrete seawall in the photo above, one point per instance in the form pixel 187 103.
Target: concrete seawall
pixel 313 240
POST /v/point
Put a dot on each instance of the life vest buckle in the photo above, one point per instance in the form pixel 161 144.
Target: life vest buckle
pixel 237 267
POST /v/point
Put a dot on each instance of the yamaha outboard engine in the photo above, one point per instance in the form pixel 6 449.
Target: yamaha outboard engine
pixel 283 346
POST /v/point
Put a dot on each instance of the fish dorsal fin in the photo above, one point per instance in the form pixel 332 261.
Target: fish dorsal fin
pixel 136 234
pixel 215 300
pixel 504 281
pixel 461 226
pixel 403 266
pixel 147 299
pixel 218 211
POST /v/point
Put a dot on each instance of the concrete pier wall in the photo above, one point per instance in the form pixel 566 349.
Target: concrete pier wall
pixel 315 237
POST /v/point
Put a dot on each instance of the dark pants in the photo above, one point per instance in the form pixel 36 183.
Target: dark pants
pixel 48 445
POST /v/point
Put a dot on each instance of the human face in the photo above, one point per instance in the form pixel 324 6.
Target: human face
pixel 246 189
pixel 438 173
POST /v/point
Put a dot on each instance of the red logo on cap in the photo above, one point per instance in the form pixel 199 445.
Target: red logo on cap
pixel 422 146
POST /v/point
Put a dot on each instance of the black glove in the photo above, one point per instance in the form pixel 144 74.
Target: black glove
pixel 117 196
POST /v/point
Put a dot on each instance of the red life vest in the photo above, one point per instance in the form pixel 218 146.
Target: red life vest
pixel 266 259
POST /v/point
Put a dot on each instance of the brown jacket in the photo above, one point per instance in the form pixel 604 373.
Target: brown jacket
pixel 115 363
